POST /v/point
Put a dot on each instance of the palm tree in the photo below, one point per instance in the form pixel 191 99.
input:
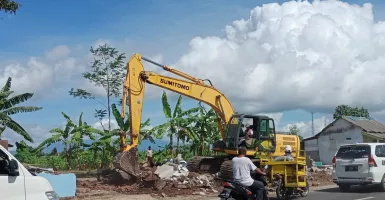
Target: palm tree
pixel 8 107
pixel 175 121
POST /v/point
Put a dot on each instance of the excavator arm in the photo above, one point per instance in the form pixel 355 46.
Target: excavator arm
pixel 133 91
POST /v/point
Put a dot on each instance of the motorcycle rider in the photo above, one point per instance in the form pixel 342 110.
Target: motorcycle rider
pixel 242 166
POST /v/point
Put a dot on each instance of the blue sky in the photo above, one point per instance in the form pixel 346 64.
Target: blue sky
pixel 149 27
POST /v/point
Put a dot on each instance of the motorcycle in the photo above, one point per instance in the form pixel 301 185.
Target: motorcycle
pixel 236 191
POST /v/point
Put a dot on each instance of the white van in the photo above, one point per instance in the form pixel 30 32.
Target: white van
pixel 359 164
pixel 16 183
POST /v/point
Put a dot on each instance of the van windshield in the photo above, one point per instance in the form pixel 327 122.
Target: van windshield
pixel 352 152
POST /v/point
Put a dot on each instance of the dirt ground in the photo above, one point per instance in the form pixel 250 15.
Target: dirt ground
pixel 91 189
pixel 320 178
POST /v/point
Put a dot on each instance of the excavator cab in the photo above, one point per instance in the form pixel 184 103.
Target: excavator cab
pixel 263 137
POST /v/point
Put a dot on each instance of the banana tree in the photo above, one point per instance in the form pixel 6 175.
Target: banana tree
pixel 71 136
pixel 79 131
pixel 203 132
pixel 59 135
pixel 175 120
pixel 8 107
pixel 108 145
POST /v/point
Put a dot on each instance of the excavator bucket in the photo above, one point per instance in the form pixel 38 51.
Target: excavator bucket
pixel 128 162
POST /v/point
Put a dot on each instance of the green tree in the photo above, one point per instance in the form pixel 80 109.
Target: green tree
pixel 107 71
pixel 24 153
pixel 9 6
pixel 109 143
pixel 345 110
pixel 203 132
pixel 78 133
pixel 175 120
pixel 71 136
pixel 294 130
pixel 8 107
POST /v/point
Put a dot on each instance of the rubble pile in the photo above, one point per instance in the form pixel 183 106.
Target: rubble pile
pixel 172 178
pixel 169 179
pixel 320 176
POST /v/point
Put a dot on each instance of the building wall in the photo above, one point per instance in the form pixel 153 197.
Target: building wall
pixel 311 145
pixel 342 132
pixel 311 148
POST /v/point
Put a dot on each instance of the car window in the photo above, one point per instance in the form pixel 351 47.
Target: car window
pixel 3 164
pixel 380 150
pixel 351 152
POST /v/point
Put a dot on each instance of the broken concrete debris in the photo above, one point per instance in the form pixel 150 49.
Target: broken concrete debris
pixel 172 168
pixel 175 173
pixel 164 171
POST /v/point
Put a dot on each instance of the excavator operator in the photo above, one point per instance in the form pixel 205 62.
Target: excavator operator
pixel 246 136
pixel 242 166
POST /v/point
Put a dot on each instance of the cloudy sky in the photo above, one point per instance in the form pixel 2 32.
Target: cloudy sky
pixel 286 59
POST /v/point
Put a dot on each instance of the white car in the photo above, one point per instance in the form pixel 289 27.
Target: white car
pixel 359 164
pixel 16 183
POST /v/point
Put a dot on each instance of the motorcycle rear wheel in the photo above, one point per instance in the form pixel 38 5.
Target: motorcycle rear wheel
pixel 304 193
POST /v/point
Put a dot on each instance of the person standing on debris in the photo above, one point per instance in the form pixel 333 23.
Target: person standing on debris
pixel 149 157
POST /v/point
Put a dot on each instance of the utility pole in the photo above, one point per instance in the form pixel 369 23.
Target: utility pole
pixel 312 123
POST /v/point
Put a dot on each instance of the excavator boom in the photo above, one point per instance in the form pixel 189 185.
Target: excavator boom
pixel 133 91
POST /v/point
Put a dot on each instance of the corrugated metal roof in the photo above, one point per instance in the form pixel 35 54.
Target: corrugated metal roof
pixel 368 125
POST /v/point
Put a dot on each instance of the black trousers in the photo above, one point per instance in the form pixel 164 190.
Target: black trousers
pixel 257 188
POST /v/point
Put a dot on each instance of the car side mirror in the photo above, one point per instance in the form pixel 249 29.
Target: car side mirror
pixel 13 168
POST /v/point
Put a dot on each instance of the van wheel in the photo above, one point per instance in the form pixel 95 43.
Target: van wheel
pixel 344 187
pixel 382 184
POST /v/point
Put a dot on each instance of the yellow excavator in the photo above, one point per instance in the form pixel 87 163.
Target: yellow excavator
pixel 264 141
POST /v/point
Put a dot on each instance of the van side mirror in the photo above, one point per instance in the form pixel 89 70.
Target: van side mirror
pixel 13 168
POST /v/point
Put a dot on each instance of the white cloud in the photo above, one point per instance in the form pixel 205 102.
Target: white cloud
pixel 43 75
pixel 277 117
pixel 98 125
pixel 306 127
pixel 58 52
pixel 32 77
pixel 295 55
pixel 37 132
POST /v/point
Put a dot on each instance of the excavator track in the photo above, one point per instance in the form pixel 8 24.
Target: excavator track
pixel 202 164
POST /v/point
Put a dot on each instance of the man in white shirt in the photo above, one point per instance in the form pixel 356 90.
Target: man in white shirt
pixel 242 166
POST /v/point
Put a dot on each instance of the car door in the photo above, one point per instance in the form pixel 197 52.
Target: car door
pixel 352 161
pixel 380 161
pixel 11 187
